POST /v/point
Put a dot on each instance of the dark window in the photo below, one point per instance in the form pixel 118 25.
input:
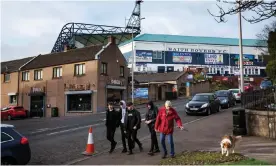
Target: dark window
pixel 57 72
pixel 104 68
pixel 7 77
pixel 200 98
pixel 222 93
pixel 122 71
pixel 13 99
pixel 157 55
pixel 81 102
pixel 79 69
pixel 25 76
pixel 5 137
pixel 38 74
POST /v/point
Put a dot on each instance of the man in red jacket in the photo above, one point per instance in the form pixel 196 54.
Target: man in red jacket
pixel 165 124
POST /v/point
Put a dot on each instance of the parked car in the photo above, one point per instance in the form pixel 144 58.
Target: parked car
pixel 12 112
pixel 226 98
pixel 266 84
pixel 15 148
pixel 203 103
pixel 247 87
pixel 237 94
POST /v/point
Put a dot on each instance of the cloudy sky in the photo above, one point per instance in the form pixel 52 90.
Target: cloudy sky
pixel 29 28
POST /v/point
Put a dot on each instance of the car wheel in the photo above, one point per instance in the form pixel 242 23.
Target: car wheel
pixel 8 161
pixel 219 108
pixel 228 105
pixel 187 113
pixel 9 117
pixel 208 112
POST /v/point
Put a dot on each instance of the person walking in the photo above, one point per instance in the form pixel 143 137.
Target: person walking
pixel 132 125
pixel 111 123
pixel 122 126
pixel 165 124
pixel 150 121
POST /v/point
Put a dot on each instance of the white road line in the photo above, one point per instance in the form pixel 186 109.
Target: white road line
pixel 73 129
pixel 143 119
pixel 47 129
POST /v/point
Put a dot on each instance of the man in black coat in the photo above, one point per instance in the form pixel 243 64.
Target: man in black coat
pixel 150 121
pixel 132 125
pixel 111 123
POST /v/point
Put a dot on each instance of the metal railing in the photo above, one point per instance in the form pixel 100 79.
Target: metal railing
pixel 263 99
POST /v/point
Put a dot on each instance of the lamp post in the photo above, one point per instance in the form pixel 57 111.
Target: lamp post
pixel 133 61
pixel 241 50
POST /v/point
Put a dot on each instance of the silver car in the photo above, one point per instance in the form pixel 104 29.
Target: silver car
pixel 237 94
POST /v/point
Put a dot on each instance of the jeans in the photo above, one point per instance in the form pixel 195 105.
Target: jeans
pixel 170 139
pixel 154 142
pixel 123 135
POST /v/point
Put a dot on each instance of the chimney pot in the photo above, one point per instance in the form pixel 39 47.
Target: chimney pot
pixel 112 39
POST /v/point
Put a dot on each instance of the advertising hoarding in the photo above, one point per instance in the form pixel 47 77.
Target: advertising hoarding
pixel 143 56
pixel 181 57
pixel 214 59
pixel 141 93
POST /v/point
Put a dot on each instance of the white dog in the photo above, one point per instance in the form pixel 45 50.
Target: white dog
pixel 228 143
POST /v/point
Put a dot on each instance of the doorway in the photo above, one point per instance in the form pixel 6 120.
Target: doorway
pixel 159 92
pixel 37 106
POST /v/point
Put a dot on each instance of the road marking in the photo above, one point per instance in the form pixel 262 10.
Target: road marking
pixel 47 129
pixel 73 129
pixel 143 119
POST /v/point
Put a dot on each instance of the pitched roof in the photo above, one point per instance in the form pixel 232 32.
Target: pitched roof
pixel 71 56
pixel 197 40
pixel 158 77
pixel 13 65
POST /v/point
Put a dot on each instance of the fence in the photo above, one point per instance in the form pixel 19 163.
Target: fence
pixel 263 99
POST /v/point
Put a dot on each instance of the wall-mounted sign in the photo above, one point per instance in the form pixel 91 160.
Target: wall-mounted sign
pixel 181 57
pixel 213 58
pixel 37 90
pixel 143 56
pixel 248 60
pixel 116 82
pixel 197 50
pixel 141 93
pixel 76 87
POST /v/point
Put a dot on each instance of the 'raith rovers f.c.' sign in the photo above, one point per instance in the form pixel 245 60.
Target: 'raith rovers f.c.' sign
pixel 199 50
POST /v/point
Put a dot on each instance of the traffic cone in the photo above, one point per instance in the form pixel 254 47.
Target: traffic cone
pixel 90 144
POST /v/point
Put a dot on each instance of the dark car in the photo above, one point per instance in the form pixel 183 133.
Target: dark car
pixel 203 103
pixel 266 84
pixel 15 149
pixel 226 98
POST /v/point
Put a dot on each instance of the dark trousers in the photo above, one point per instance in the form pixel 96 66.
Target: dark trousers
pixel 154 142
pixel 123 135
pixel 110 132
pixel 132 138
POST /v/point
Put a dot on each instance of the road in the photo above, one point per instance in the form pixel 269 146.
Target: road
pixel 61 140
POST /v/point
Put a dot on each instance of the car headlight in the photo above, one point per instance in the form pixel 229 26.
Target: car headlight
pixel 204 105
pixel 187 105
pixel 224 101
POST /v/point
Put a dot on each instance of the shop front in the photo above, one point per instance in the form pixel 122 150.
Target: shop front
pixel 37 102
pixel 115 91
pixel 78 98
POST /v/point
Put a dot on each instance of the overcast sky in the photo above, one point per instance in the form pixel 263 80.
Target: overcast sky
pixel 31 28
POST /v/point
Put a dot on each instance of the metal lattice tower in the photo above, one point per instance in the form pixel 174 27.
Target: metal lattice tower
pixel 76 35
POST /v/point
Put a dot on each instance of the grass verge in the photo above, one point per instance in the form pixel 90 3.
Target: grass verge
pixel 210 158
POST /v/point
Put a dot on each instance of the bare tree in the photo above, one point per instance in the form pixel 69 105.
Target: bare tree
pixel 263 9
pixel 264 35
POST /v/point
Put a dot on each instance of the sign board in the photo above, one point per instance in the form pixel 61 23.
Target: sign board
pixel 181 57
pixel 248 60
pixel 37 90
pixel 213 59
pixel 141 93
pixel 143 56
pixel 76 87
pixel 197 50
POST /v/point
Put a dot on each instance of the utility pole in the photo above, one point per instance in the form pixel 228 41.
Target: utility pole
pixel 241 50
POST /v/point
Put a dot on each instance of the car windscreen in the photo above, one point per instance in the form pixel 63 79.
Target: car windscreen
pixel 222 93
pixel 201 98
pixel 266 83
pixel 235 91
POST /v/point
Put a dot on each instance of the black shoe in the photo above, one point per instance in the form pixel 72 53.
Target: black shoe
pixel 164 155
pixel 141 148
pixel 113 147
pixel 124 150
pixel 156 151
pixel 150 153
pixel 130 152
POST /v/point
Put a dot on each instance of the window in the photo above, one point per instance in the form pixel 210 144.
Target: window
pixel 249 72
pixel 13 99
pixel 104 68
pixel 79 69
pixel 5 137
pixel 7 77
pixel 256 72
pixel 222 71
pixel 57 72
pixel 80 102
pixel 25 76
pixel 38 74
pixel 245 71
pixel 122 71
pixel 157 55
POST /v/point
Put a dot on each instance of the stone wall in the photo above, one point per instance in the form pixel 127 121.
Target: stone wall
pixel 261 123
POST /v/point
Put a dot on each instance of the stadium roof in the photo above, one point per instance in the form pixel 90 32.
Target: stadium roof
pixel 196 40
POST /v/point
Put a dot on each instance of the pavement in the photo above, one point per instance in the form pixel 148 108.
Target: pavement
pixel 204 133
pixel 60 140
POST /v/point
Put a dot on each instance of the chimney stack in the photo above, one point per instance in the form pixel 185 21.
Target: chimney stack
pixel 65 48
pixel 112 39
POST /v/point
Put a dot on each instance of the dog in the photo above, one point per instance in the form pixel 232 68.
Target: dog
pixel 228 143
